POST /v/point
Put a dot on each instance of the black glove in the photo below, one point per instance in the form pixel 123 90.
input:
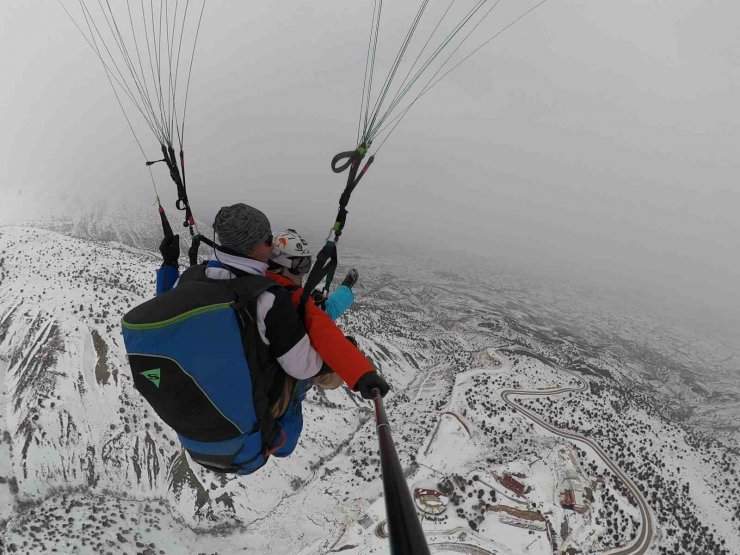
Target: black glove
pixel 370 381
pixel 170 249
pixel 317 295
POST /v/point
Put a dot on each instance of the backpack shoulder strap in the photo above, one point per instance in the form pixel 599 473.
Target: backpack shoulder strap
pixel 249 287
pixel 267 376
pixel 194 273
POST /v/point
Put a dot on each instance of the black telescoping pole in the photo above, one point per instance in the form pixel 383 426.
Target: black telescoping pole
pixel 404 527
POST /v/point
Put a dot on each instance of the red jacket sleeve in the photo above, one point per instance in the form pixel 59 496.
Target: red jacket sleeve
pixel 329 341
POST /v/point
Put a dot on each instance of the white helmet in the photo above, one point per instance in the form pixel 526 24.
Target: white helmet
pixel 291 251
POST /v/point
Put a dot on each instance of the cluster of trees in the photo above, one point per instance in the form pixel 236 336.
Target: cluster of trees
pixel 103 528
pixel 470 501
pixel 620 527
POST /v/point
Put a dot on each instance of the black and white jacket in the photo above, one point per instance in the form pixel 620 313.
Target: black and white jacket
pixel 277 320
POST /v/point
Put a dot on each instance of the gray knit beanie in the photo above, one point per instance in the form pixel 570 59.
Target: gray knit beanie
pixel 241 227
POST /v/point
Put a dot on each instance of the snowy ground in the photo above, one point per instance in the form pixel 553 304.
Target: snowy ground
pixel 77 442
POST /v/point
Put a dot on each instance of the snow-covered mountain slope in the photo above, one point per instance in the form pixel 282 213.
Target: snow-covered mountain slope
pixel 86 466
pixel 122 218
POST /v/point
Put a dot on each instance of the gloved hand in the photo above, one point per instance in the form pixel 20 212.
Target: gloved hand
pixel 318 297
pixel 351 278
pixel 170 249
pixel 370 381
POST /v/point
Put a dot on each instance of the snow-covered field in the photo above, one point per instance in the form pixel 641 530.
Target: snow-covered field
pixel 85 466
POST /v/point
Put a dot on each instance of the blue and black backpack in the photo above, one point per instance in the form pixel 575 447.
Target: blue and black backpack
pixel 197 358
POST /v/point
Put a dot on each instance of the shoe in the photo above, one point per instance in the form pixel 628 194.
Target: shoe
pixel 351 278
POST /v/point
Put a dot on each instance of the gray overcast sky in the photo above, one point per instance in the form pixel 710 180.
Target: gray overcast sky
pixel 597 140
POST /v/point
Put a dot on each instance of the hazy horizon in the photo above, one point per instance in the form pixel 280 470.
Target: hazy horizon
pixel 593 142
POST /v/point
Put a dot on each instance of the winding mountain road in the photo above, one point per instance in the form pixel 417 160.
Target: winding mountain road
pixel 642 542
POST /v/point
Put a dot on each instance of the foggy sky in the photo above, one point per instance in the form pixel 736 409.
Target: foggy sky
pixel 596 141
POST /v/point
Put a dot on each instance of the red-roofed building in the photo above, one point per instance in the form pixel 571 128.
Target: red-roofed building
pixel 430 501
pixel 568 499
pixel 508 481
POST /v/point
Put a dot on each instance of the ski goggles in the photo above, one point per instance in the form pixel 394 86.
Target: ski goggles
pixel 296 264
